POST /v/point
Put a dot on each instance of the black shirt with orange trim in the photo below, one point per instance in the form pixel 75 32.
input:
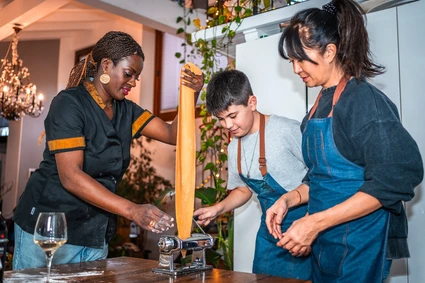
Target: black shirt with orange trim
pixel 77 121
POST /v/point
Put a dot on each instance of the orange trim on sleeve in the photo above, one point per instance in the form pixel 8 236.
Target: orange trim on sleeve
pixel 140 122
pixel 66 143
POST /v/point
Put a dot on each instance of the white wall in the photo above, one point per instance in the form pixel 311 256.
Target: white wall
pixel 397 41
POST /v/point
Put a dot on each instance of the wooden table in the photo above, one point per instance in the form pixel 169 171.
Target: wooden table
pixel 129 269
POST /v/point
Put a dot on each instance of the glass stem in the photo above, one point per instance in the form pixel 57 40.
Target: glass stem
pixel 49 257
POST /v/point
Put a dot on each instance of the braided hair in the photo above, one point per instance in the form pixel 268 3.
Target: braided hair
pixel 114 45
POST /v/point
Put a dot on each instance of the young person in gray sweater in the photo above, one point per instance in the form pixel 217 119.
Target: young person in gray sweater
pixel 265 158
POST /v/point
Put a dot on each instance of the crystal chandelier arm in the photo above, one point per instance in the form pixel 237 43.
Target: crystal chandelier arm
pixel 18 94
pixel 4 60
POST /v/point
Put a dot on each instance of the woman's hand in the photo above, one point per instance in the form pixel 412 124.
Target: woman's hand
pixel 299 237
pixel 165 132
pixel 275 215
pixel 304 251
pixel 150 218
pixel 206 215
pixel 195 82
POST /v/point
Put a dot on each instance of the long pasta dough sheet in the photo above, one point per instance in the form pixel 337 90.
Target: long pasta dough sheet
pixel 186 158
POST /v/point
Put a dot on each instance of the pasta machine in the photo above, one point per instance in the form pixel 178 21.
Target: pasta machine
pixel 171 245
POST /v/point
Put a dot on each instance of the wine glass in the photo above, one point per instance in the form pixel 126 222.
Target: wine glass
pixel 50 233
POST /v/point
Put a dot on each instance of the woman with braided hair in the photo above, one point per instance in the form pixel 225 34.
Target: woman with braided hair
pixel 89 129
pixel 362 163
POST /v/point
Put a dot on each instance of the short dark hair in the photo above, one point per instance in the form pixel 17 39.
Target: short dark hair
pixel 345 27
pixel 226 88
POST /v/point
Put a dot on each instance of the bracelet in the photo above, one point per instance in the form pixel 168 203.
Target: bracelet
pixel 299 194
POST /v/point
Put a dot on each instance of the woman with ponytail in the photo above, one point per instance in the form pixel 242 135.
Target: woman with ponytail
pixel 89 130
pixel 362 162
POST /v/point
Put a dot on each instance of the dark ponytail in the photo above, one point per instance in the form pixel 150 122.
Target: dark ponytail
pixel 340 22
pixel 354 51
pixel 114 45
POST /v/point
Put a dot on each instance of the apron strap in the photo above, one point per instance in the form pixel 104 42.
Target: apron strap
pixel 239 155
pixel 262 159
pixel 338 91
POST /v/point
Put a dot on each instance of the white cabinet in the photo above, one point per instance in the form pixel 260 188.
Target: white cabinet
pixel 397 39
pixel 383 36
pixel 412 61
pixel 278 89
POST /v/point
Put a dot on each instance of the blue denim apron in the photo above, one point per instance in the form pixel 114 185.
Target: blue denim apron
pixel 268 258
pixel 350 252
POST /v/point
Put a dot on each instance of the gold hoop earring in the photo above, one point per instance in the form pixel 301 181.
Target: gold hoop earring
pixel 105 78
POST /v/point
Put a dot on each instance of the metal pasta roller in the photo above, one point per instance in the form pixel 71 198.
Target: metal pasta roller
pixel 170 245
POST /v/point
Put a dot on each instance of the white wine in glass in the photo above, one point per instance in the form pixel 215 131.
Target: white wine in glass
pixel 50 233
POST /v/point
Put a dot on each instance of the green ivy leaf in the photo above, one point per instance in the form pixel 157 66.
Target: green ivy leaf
pixel 180 30
pixel 247 13
pixel 223 157
pixel 208 195
pixel 204 146
pixel 178 55
pixel 212 10
pixel 219 182
pixel 210 142
pixel 179 19
pixel 203 112
pixel 209 166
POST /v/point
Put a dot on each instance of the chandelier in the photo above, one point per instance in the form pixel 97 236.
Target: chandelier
pixel 17 93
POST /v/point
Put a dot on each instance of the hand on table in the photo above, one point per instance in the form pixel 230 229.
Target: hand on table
pixel 150 218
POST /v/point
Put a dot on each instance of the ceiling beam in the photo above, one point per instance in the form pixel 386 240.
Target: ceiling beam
pixel 158 14
pixel 26 12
